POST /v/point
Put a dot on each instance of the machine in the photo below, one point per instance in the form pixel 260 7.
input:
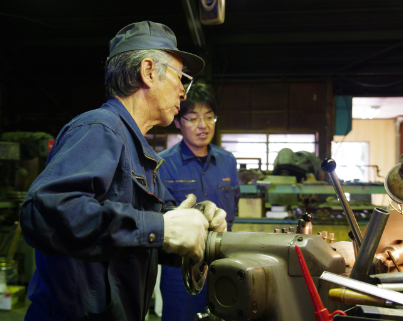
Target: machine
pixel 256 276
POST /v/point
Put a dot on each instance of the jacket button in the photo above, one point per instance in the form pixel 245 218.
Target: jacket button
pixel 206 194
pixel 151 238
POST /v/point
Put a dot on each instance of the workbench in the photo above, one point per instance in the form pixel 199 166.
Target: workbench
pixel 339 227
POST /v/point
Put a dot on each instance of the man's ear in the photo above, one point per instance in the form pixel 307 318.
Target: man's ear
pixel 147 67
pixel 177 123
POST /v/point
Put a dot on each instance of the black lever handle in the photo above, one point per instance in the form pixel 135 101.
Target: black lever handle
pixel 328 165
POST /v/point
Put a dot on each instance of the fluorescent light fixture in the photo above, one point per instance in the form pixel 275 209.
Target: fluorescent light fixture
pixel 371 112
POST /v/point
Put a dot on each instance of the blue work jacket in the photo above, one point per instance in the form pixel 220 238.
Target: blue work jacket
pixel 93 216
pixel 217 180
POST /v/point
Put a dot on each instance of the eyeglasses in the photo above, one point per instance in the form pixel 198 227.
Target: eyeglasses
pixel 186 75
pixel 195 120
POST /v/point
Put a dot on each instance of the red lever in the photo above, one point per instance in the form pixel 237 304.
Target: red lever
pixel 321 314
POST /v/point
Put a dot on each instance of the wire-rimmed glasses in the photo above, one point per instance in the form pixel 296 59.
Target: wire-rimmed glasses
pixel 184 74
pixel 209 119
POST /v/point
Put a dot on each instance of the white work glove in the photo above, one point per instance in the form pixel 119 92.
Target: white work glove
pixel 214 215
pixel 185 232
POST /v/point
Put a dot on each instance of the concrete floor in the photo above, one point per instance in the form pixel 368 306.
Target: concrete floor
pixel 18 314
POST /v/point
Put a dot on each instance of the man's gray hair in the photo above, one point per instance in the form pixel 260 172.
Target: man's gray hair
pixel 122 73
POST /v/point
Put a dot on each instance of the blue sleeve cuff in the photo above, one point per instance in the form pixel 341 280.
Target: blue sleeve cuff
pixel 151 226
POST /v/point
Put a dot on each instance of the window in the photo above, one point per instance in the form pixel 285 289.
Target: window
pixel 249 148
pixel 159 141
pixel 352 161
pixel 173 139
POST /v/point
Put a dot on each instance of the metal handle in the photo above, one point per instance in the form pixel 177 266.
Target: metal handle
pixel 328 165
pixel 194 275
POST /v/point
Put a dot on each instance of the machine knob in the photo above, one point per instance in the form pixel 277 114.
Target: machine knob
pixel 307 217
pixel 201 317
pixel 328 165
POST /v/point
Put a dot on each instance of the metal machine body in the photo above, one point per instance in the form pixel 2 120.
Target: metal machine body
pixel 256 276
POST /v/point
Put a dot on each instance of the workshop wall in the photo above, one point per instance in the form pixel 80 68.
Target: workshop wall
pixel 305 107
pixel 381 136
pixel 47 104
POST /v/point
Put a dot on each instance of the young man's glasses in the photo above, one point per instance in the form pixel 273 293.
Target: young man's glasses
pixel 209 119
pixel 187 81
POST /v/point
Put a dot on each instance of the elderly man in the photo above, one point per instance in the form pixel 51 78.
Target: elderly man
pixel 94 214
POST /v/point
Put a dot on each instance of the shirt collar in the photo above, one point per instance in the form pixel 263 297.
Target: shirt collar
pixel 129 120
pixel 188 154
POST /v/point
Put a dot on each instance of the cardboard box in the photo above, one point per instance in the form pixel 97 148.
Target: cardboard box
pixel 251 207
pixel 15 299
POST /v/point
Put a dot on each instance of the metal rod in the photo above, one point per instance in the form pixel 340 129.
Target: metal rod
pixel 369 245
pixel 396 277
pixel 391 286
pixel 363 287
pixel 347 209
pixel 328 165
pixel 394 261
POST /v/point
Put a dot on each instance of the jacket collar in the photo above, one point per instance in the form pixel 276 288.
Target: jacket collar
pixel 129 120
pixel 188 154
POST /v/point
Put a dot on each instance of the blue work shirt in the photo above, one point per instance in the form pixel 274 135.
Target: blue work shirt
pixel 217 180
pixel 93 216
pixel 183 173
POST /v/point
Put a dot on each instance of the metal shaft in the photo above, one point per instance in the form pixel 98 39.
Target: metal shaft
pixel 396 277
pixel 328 165
pixel 347 209
pixel 369 245
pixel 363 287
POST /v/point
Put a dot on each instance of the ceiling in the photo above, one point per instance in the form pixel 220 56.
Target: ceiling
pixel 377 107
pixel 357 44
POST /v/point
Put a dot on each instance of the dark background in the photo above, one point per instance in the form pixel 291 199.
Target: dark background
pixel 52 55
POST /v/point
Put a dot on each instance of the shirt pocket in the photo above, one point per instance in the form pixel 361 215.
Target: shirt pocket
pixel 181 187
pixel 226 193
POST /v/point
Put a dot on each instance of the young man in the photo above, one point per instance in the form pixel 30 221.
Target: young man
pixel 93 215
pixel 195 166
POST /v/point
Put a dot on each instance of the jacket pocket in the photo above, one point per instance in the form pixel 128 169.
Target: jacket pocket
pixel 113 310
pixel 226 195
pixel 140 197
pixel 226 200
